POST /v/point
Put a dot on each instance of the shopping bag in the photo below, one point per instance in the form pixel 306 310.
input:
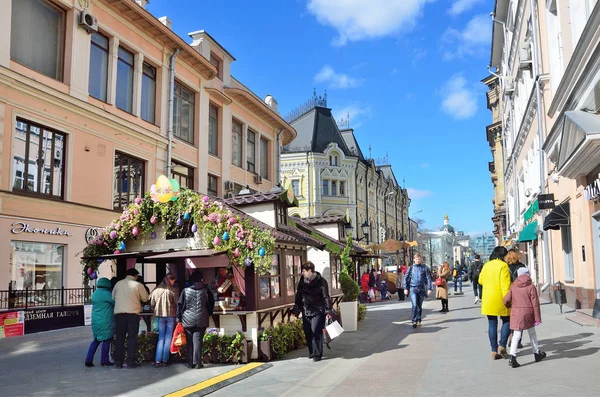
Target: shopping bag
pixel 178 339
pixel 334 330
pixel 371 294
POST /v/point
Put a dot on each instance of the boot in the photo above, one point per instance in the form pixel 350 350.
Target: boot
pixel 539 356
pixel 502 351
pixel 512 362
pixel 496 356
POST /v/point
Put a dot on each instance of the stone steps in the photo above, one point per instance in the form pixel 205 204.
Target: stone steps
pixel 584 318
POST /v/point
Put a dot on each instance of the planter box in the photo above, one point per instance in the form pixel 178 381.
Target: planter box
pixel 247 352
pixel 349 312
pixel 265 352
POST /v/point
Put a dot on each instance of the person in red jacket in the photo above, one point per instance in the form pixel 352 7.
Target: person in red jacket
pixel 525 314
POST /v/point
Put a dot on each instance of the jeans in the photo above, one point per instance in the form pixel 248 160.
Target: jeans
pixel 195 337
pixel 416 298
pixel 493 331
pixel 477 289
pixel 166 325
pixel 92 351
pixel 458 280
pixel 127 325
pixel 313 331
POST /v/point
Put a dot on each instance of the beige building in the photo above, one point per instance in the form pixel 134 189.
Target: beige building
pixel 86 126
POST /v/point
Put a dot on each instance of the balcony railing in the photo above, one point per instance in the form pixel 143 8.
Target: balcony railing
pixel 35 298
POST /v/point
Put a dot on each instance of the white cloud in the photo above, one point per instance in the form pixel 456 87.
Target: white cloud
pixel 460 6
pixel 358 112
pixel 459 101
pixel 357 20
pixel 474 39
pixel 415 194
pixel 336 80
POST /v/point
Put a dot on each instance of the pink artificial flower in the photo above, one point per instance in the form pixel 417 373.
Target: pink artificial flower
pixel 205 199
pixel 137 200
pixel 136 211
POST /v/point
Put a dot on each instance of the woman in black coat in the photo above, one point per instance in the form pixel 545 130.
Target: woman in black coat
pixel 195 306
pixel 312 299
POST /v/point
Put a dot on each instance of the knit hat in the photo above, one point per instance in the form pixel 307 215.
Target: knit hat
pixel 522 270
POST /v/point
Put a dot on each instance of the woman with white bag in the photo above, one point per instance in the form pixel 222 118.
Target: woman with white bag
pixel 312 299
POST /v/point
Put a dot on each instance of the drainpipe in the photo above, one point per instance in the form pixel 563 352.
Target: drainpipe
pixel 171 105
pixel 545 263
pixel 278 162
pixel 309 185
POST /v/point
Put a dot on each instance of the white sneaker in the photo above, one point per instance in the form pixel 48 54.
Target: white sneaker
pixel 476 301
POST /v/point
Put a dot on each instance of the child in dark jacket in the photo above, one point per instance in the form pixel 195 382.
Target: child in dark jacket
pixel 525 314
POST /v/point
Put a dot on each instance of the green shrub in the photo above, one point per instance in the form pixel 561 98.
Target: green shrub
pixel 362 311
pixel 146 347
pixel 350 288
pixel 285 337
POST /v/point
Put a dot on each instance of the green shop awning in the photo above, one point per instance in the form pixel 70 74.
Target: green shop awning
pixel 529 233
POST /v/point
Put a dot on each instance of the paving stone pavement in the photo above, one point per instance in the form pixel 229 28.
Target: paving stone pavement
pixel 448 356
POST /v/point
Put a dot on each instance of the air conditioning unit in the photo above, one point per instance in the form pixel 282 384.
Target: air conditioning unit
pixel 229 195
pixel 257 179
pixel 88 21
pixel 509 86
pixel 229 186
pixel 525 55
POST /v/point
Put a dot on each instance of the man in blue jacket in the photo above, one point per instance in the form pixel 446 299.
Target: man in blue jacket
pixel 417 282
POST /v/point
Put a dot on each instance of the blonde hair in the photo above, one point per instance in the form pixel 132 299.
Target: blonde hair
pixel 445 265
pixel 513 256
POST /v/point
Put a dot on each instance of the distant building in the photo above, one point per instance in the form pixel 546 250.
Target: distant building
pixel 483 245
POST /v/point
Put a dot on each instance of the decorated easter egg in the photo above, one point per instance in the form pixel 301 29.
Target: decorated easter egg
pixel 194 228
pixel 226 236
pixel 116 252
pixel 217 240
pixel 100 260
pixel 164 189
pixel 90 270
pixel 94 275
pixel 261 251
pixel 175 186
pixel 186 216
pixel 153 219
pixel 153 235
pixel 179 222
pixel 248 261
pixel 236 253
pixel 135 231
pixel 122 246
pixel 153 193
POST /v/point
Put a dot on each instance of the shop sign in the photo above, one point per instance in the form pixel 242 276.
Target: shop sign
pixel 531 211
pixel 39 320
pixel 546 201
pixel 92 233
pixel 592 191
pixel 22 227
pixel 12 324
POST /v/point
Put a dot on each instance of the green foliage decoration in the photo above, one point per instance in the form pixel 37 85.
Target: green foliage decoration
pixel 362 311
pixel 211 218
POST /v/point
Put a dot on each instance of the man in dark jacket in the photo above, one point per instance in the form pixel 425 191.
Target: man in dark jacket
pixel 312 300
pixel 474 277
pixel 196 304
pixel 417 282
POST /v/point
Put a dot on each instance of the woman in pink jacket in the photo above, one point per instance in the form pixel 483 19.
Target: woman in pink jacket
pixel 525 314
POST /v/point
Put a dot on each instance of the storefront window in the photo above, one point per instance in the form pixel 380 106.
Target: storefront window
pixel 294 273
pixel 36 266
pixel 269 284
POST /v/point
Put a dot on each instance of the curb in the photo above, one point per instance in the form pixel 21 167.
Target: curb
pixel 218 382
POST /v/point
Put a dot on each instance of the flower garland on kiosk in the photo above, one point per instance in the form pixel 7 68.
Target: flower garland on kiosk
pixel 182 211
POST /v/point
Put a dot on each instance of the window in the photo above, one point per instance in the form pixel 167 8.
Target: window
pixel 125 80
pixel 269 284
pixel 98 80
pixel 213 186
pixel 336 269
pixel 330 160
pixel 325 187
pixel 148 93
pixel 184 175
pixel 264 158
pixel 236 143
pixel 296 187
pixel 39 165
pixel 335 161
pixel 282 214
pixel 216 61
pixel 342 188
pixel 251 148
pixel 183 114
pixel 213 130
pixel 333 188
pixel 37 266
pixel 293 265
pixel 567 246
pixel 129 180
pixel 37 36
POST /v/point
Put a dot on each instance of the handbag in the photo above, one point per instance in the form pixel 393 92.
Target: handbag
pixel 439 282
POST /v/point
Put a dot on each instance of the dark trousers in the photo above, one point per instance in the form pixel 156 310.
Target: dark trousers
pixel 127 325
pixel 313 330
pixel 477 289
pixel 416 298
pixel 445 304
pixel 92 351
pixel 194 336
pixel 400 294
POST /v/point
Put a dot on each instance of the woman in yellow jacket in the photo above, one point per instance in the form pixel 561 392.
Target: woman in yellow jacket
pixel 495 279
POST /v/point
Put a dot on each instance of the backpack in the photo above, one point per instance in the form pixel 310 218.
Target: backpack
pixel 477 270
pixel 454 273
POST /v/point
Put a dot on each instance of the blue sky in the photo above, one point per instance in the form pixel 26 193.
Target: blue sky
pixel 408 71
